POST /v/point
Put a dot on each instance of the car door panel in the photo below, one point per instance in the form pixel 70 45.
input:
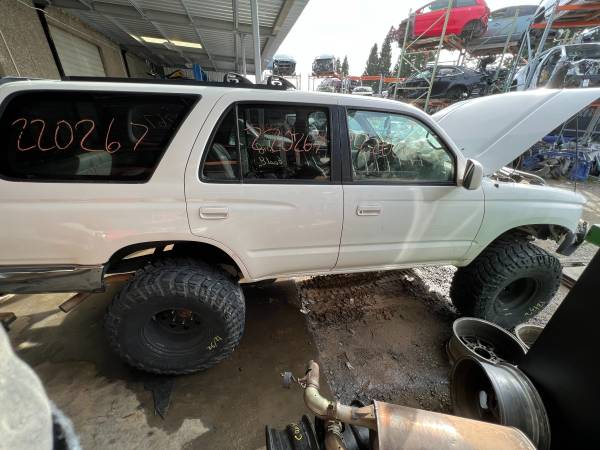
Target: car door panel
pixel 415 225
pixel 406 223
pixel 275 227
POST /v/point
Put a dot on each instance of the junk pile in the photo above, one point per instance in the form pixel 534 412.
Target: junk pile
pixel 572 151
pixel 496 405
pixel 559 156
pixel 486 383
pixel 384 426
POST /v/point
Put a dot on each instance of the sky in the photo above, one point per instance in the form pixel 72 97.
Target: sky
pixel 351 27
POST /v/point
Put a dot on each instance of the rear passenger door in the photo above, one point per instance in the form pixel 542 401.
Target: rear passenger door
pixel 264 182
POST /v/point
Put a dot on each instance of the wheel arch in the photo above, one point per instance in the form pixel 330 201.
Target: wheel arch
pixel 134 256
pixel 532 231
pixel 473 22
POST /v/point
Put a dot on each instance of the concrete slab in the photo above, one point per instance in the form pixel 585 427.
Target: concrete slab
pixel 224 407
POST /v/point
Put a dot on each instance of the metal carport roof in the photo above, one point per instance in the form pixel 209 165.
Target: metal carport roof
pixel 220 31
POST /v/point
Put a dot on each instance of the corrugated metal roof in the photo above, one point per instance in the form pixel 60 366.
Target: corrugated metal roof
pixel 211 25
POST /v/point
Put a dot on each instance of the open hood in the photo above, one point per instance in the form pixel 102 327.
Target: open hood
pixel 495 130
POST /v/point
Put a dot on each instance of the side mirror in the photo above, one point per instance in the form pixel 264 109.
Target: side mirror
pixel 473 175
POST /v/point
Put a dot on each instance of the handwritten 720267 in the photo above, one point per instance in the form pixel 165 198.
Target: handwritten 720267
pixel 65 135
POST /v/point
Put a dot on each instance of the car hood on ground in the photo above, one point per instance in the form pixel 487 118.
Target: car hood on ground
pixel 495 130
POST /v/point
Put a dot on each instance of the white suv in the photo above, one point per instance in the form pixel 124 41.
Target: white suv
pixel 230 185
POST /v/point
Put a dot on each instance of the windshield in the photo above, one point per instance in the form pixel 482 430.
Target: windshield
pixel 323 65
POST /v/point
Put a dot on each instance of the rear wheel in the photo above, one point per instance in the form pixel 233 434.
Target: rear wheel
pixel 456 93
pixel 176 316
pixel 472 30
pixel 508 283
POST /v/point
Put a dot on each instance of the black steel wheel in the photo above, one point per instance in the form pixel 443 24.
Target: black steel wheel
pixel 176 316
pixel 508 283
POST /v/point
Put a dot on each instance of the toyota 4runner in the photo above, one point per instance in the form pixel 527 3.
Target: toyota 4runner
pixel 198 187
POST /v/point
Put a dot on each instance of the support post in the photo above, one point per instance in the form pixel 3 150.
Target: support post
pixel 244 67
pixel 236 36
pixel 401 57
pixel 256 38
pixel 547 29
pixel 437 55
pixel 512 30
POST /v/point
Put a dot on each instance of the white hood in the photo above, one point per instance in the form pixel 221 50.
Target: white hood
pixel 495 130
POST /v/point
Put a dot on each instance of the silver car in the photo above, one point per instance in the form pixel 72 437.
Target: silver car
pixel 513 21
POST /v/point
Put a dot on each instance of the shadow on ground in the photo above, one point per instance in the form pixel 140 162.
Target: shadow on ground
pixel 224 407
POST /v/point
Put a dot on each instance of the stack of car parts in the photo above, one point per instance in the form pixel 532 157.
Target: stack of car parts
pixel 486 383
pixel 387 426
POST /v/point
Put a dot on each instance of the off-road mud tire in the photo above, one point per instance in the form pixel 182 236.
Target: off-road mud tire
pixel 508 283
pixel 145 342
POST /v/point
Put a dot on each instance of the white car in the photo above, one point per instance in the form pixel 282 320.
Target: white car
pixel 198 187
pixel 363 90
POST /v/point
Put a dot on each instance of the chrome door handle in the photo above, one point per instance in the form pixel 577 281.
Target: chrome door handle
pixel 368 210
pixel 214 212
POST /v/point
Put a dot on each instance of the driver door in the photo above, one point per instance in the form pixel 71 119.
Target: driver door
pixel 402 205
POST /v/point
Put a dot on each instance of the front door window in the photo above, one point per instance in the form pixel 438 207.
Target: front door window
pixel 393 148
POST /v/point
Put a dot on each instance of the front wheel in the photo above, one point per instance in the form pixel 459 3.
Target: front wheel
pixel 176 316
pixel 508 283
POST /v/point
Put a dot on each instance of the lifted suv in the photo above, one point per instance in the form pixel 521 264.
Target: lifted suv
pixel 198 188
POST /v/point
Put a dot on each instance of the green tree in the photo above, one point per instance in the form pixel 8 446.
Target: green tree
pixel 372 67
pixel 338 65
pixel 413 63
pixel 385 56
pixel 345 67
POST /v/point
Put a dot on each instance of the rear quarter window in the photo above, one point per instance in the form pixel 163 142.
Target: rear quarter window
pixel 87 135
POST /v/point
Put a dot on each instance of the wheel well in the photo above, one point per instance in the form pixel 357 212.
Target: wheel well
pixel 471 23
pixel 539 231
pixel 136 256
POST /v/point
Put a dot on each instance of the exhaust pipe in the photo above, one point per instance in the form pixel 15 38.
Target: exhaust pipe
pixel 330 410
pixel 416 429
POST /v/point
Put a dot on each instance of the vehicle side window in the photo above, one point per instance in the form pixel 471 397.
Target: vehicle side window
pixel 284 142
pixel 527 10
pixel 436 6
pixel 501 14
pixel 72 136
pixel 462 3
pixel 389 148
pixel 222 161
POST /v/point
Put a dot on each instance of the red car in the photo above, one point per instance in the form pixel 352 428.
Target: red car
pixel 468 18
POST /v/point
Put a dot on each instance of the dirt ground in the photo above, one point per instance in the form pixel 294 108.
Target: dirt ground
pixel 376 335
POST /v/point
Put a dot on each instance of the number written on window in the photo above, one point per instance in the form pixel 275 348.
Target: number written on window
pixel 88 135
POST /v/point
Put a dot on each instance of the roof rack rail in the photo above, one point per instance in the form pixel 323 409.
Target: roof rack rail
pixel 230 79
pixel 4 80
